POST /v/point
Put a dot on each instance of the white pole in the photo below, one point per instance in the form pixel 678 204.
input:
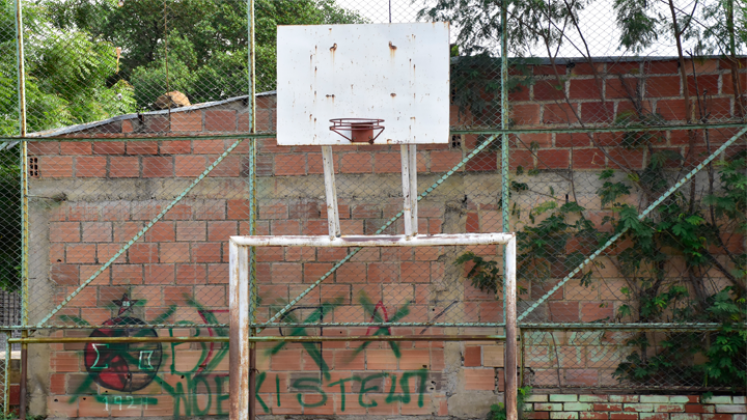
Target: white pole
pixel 406 189
pixel 333 217
pixel 412 149
pixel 238 383
pixel 324 241
pixel 510 376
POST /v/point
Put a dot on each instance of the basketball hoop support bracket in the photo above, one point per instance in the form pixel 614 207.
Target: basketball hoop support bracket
pixel 409 156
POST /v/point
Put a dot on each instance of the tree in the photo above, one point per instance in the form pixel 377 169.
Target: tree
pixel 66 74
pixel 199 47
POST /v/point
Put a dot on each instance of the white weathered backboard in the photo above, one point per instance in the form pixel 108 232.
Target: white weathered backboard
pixel 395 72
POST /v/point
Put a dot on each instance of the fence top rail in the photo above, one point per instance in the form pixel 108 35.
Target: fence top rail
pixel 324 241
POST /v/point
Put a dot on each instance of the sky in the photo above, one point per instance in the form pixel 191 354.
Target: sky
pixel 600 31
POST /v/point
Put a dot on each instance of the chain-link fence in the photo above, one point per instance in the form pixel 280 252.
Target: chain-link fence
pixel 610 136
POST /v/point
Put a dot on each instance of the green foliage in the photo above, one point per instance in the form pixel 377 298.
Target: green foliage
pixel 206 48
pixel 10 221
pixel 694 228
pixel 68 73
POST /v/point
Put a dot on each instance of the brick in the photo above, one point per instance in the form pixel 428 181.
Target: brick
pixel 161 232
pixel 143 253
pixel 158 274
pixel 38 148
pixel 549 90
pixel 174 252
pixel 186 122
pixel 525 114
pixel 597 112
pixel 653 416
pixel 662 87
pixel 285 227
pixel 290 164
pixel 387 163
pixel 699 408
pixel 179 212
pixel 109 148
pixel 177 295
pixel 588 159
pixel 472 356
pixel 563 398
pixel 608 407
pixel 479 379
pixel 596 312
pixel 585 89
pixel 55 166
pixel 594 398
pixel 127 274
pixel 228 167
pixel 661 67
pixel 535 398
pixel 220 120
pixel 218 273
pixel 633 407
pixel 97 232
pixel 176 147
pixel 625 158
pixel 287 273
pixel 553 159
pixel 206 252
pixel 623 416
pixel 64 232
pixel 142 148
pixel 718 399
pixel 716 416
pixel 684 416
pixel 220 231
pixel 64 274
pixel 548 407
pixel 669 408
pixel 158 167
pixel 81 253
pixel 672 109
pixel 593 416
pixel 124 167
pixel 191 274
pixel 210 210
pixel 483 161
pixel 443 161
pixel 731 408
pixel 623 398
pixel 577 406
pixel 191 231
pixel 190 166
pixel 356 163
pixel 560 114
pixel 534 415
pixel 90 166
pixel 563 415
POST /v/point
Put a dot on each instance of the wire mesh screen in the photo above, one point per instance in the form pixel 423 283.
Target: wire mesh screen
pixel 150 250
pixel 408 287
pixel 640 360
pixel 624 144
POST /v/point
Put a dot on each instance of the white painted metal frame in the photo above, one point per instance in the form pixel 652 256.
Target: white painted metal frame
pixel 240 298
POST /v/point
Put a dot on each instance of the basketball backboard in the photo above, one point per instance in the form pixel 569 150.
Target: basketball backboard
pixel 398 73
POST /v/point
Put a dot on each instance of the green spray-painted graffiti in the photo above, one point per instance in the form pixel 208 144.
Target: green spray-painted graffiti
pixel 199 388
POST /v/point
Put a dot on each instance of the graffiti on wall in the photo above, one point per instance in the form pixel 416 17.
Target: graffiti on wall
pixel 201 388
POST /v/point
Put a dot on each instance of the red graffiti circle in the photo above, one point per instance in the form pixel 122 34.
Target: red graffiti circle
pixel 124 367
